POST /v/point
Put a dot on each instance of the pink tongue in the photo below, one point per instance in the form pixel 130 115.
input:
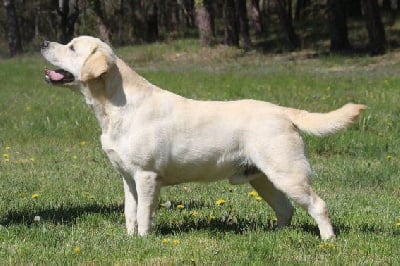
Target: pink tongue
pixel 54 75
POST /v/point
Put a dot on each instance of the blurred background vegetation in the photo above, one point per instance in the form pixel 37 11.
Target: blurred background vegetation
pixel 271 26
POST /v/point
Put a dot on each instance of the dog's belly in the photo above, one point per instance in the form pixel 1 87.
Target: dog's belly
pixel 175 170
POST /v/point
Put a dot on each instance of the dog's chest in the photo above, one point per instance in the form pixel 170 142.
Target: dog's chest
pixel 115 154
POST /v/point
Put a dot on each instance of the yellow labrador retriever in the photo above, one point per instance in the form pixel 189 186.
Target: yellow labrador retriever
pixel 156 138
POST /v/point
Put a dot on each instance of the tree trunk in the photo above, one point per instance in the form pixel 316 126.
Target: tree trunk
pixel 68 19
pixel 230 24
pixel 285 17
pixel 188 11
pixel 102 22
pixel 376 32
pixel 152 22
pixel 144 20
pixel 338 26
pixel 256 17
pixel 137 20
pixel 243 23
pixel 204 22
pixel 300 9
pixel 14 37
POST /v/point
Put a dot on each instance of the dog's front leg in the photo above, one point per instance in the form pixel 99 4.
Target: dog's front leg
pixel 148 190
pixel 130 208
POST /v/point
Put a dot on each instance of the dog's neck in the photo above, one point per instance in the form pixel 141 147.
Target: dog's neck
pixel 109 93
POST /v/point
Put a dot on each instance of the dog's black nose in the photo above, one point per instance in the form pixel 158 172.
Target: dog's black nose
pixel 44 45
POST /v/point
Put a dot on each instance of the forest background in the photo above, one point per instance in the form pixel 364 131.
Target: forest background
pixel 271 26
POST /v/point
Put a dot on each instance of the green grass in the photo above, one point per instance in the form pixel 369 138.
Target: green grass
pixel 52 166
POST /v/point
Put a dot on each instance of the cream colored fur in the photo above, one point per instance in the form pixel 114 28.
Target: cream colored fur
pixel 156 138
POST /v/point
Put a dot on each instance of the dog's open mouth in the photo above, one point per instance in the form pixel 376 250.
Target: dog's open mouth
pixel 58 76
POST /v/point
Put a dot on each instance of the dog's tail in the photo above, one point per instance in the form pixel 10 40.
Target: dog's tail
pixel 321 124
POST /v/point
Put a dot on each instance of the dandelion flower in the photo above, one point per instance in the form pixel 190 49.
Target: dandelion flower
pixel 77 250
pixel 35 195
pixel 327 245
pixel 258 198
pixel 6 156
pixel 175 242
pixel 389 157
pixel 253 193
pixel 194 213
pixel 220 202
pixel 180 206
pixel 165 240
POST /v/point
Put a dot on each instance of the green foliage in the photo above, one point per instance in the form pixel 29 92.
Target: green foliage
pixel 62 203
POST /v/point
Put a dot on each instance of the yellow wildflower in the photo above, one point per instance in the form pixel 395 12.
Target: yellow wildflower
pixel 175 242
pixel 253 193
pixel 165 240
pixel 327 245
pixel 258 198
pixel 32 159
pixel 220 202
pixel 389 157
pixel 180 206
pixel 35 195
pixel 398 224
pixel 77 250
pixel 194 213
pixel 6 156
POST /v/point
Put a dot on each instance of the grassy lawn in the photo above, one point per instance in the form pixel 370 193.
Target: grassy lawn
pixel 62 203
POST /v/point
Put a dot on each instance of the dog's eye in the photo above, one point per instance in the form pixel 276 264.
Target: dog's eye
pixel 71 47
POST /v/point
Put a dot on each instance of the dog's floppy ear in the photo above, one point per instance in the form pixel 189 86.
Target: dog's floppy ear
pixel 98 63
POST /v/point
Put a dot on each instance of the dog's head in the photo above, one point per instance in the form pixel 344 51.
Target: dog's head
pixel 83 59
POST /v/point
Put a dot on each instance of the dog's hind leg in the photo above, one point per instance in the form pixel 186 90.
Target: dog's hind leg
pixel 148 190
pixel 284 162
pixel 295 184
pixel 275 198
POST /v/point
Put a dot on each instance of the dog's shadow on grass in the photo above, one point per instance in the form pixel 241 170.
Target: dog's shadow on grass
pixel 66 215
pixel 58 215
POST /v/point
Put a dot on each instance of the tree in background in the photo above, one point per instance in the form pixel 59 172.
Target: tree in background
pixel 144 20
pixel 13 33
pixel 204 22
pixel 376 32
pixel 337 14
pixel 256 17
pixel 231 27
pixel 103 22
pixel 284 10
pixel 241 10
pixel 68 10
